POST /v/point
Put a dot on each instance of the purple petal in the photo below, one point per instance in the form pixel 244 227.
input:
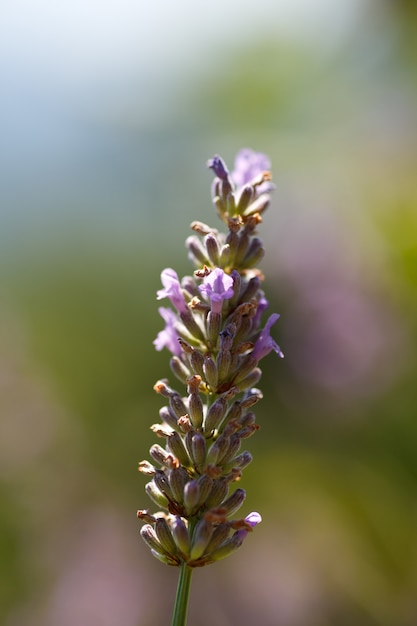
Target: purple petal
pixel 264 344
pixel 253 518
pixel 168 338
pixel 217 286
pixel 172 290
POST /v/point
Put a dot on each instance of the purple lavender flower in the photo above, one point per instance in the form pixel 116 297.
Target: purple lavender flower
pixel 264 344
pixel 168 338
pixel 249 165
pixel 172 290
pixel 253 519
pixel 217 286
pixel 219 167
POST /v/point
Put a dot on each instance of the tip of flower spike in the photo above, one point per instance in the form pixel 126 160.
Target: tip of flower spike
pixel 218 166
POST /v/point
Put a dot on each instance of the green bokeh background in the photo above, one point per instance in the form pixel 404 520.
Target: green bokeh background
pixel 86 232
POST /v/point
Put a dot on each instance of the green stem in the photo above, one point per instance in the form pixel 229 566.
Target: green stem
pixel 179 617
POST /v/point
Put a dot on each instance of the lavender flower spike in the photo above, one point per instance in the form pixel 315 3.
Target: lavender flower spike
pixel 264 344
pixel 217 286
pixel 216 348
pixel 172 290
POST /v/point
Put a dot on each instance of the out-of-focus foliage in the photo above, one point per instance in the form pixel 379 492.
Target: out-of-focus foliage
pixel 335 472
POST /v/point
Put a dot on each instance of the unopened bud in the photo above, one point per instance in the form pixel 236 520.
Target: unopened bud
pixel 210 373
pixel 191 496
pixel 234 502
pixel 179 369
pixel 198 448
pixel 156 495
pixel 196 251
pixel 213 325
pixel 195 410
pixel 215 415
pixel 201 537
pixel 191 325
pixel 196 361
pixel 176 445
pixel 181 535
pixel 217 494
pixel 164 535
pixel 246 194
pixel 254 254
pixel 212 247
pixel 177 405
pixel 177 479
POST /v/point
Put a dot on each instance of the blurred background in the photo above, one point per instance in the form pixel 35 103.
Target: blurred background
pixel 108 113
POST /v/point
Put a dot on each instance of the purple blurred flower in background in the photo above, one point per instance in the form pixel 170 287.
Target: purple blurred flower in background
pixel 249 165
pixel 217 286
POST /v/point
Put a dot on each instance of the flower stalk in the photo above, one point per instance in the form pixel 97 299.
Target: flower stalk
pixel 215 335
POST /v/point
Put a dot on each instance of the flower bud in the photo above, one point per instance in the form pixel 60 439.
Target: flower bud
pixel 160 455
pixel 198 448
pixel 196 250
pixel 234 502
pixel 212 247
pixel 254 253
pixel 149 536
pixel 218 450
pixel 250 380
pixel 195 406
pixel 242 248
pixel 213 325
pixel 181 535
pixel 168 417
pixel 251 289
pixel 223 362
pixel 231 204
pixel 156 495
pixel 176 445
pixel 179 369
pixel 177 405
pixel 191 496
pixel 164 535
pixel 196 362
pixel 210 372
pixel 227 548
pixel 215 414
pixel 205 484
pixel 246 195
pixel 225 255
pixel 177 479
pixel 191 325
pixel 234 445
pixel 161 481
pixel 259 206
pixel 217 494
pixel 201 537
pixel 219 536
